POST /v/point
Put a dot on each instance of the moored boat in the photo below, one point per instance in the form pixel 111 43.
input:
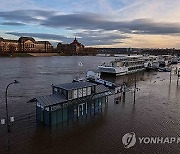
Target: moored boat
pixel 123 66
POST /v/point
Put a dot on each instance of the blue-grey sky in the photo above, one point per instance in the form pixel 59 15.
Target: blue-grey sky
pixel 100 23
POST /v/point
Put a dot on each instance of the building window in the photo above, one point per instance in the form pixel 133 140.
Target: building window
pixel 106 99
pixel 100 101
pixel 93 89
pixel 103 100
pixel 55 90
pixel 92 105
pixel 84 92
pixel 64 92
pixel 75 110
pixel 79 92
pixel 60 91
pixel 70 94
pixel 89 91
pixel 74 94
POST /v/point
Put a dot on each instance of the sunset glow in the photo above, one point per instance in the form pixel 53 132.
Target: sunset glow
pixel 98 23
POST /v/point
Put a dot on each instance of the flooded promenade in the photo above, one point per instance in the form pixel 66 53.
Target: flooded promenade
pixel 155 113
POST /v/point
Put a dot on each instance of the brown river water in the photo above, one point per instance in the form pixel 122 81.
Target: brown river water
pixel 156 112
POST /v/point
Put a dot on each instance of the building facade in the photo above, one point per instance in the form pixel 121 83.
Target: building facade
pixel 70 102
pixel 25 45
pixel 74 48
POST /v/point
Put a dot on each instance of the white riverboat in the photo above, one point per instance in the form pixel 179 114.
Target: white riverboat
pixel 95 76
pixel 123 66
pixel 174 60
pixel 156 62
pixel 151 62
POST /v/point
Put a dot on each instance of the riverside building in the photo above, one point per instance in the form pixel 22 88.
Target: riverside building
pixel 25 45
pixel 71 101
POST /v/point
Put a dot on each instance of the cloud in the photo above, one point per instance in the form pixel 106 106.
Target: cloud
pixel 133 18
pixel 26 16
pixel 75 21
pixel 94 29
pixel 148 26
pixel 12 24
pixel 9 5
pixel 88 38
pixel 89 21
pixel 41 36
pixel 151 41
pixel 100 37
pixel 158 10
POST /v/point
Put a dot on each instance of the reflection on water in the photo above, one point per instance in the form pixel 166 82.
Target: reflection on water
pixel 128 79
pixel 155 113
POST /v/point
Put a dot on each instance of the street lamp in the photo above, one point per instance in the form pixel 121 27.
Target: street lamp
pixel 7 114
pixel 135 87
pixel 178 75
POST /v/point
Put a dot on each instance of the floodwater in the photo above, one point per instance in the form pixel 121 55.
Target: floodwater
pixel 156 112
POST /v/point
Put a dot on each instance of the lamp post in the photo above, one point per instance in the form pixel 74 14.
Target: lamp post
pixel 124 91
pixel 135 87
pixel 7 114
pixel 170 73
pixel 178 75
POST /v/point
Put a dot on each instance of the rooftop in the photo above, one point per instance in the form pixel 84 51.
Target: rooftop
pixel 74 85
pixel 51 100
pixel 22 38
pixel 101 89
pixel 40 42
pixel 12 41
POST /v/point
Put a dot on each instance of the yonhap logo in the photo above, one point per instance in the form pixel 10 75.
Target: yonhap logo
pixel 129 140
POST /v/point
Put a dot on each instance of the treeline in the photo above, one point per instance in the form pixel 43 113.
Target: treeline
pixel 160 51
pixel 84 52
pixel 157 51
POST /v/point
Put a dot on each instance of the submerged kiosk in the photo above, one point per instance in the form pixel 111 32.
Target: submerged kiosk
pixel 71 101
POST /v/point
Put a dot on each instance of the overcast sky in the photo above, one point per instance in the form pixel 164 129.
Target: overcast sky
pixel 100 23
